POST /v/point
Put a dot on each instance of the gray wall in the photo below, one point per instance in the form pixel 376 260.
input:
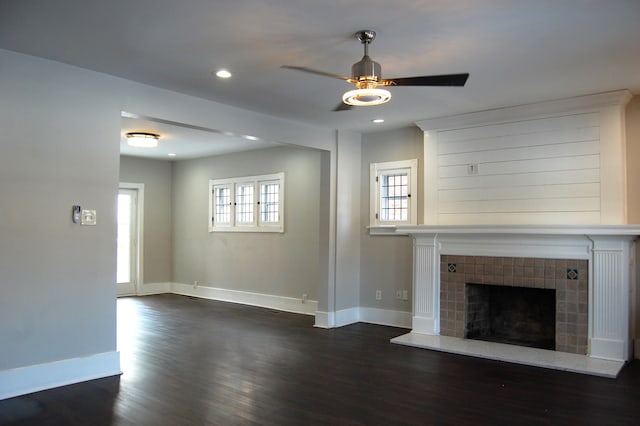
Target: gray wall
pixel 348 221
pixel 157 177
pixel 387 262
pixel 281 264
pixel 60 144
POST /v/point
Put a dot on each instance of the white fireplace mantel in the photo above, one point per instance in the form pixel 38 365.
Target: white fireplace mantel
pixel 608 248
pixel 611 230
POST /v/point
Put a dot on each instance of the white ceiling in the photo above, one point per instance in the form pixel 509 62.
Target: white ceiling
pixel 516 51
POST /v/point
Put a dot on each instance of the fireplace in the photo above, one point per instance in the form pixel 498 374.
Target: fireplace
pixel 513 315
pixel 566 280
pixel 591 268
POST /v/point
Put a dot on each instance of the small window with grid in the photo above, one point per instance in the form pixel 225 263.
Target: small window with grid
pixel 247 204
pixel 394 197
pixel 392 184
pixel 270 202
pixel 244 203
pixel 222 205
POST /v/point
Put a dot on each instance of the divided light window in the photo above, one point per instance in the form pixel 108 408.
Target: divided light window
pixel 222 204
pixel 247 204
pixel 270 201
pixel 392 186
pixel 244 204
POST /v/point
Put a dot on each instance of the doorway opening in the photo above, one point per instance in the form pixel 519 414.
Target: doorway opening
pixel 128 257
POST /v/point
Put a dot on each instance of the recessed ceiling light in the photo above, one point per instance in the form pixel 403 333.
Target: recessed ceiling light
pixel 223 74
pixel 378 120
pixel 172 154
pixel 251 138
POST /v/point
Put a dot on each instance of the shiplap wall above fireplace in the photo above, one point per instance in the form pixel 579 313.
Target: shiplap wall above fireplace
pixel 560 162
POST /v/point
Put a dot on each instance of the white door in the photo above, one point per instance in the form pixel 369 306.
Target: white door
pixel 127 241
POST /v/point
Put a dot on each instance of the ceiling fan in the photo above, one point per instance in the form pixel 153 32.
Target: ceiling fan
pixel 366 76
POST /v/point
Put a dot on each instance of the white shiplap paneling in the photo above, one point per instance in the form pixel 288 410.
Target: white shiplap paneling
pixel 540 171
pixel 557 162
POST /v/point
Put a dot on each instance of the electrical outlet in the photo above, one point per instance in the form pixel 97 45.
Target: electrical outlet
pixel 405 295
pixel 304 298
pixel 398 294
pixel 472 169
pixel 378 294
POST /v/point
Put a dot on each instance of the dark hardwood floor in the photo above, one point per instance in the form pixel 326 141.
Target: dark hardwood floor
pixel 191 362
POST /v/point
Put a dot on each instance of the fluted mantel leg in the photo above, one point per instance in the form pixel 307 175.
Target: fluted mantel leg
pixel 426 285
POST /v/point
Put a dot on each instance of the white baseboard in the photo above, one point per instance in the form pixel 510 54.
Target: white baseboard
pixel 324 319
pixel 386 317
pixel 347 316
pixel 154 288
pixel 34 378
pixel 287 304
pixel 611 349
pixel 360 314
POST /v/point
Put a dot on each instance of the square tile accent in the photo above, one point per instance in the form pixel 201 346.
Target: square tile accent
pixel 452 267
pixel 572 274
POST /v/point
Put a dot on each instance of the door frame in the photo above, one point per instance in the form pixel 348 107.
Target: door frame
pixel 138 249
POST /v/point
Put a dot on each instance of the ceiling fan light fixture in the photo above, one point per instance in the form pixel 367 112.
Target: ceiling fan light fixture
pixel 142 139
pixel 366 97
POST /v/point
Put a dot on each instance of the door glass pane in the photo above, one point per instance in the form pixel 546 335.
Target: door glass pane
pixel 123 266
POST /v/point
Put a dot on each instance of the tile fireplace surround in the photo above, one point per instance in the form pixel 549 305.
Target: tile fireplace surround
pixel 592 269
pixel 569 279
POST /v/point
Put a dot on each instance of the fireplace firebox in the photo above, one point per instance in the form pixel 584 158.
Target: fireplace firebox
pixel 513 315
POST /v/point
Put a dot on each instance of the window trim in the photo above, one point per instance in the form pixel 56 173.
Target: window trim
pixel 378 169
pixel 256 225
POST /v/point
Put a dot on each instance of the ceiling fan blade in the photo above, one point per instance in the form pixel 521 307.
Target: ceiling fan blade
pixel 429 80
pixel 342 107
pixel 323 73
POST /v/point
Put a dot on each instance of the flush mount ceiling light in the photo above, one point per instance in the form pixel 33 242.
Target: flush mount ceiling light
pixel 142 139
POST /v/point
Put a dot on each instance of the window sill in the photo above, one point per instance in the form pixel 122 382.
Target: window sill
pixel 260 230
pixel 388 230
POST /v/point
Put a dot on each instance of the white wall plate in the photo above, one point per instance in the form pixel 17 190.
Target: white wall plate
pixel 88 217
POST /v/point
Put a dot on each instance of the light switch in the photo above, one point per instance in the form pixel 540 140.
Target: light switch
pixel 88 217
